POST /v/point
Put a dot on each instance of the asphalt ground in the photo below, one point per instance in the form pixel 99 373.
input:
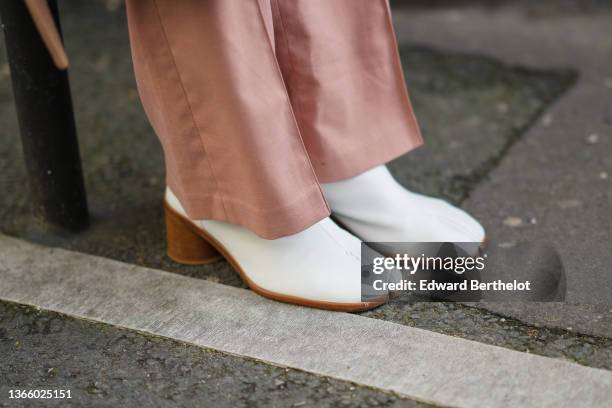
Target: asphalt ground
pixel 553 185
pixel 472 109
pixel 105 366
pixel 421 364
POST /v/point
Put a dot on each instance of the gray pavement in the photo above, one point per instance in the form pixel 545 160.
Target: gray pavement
pixel 554 184
pixel 420 364
pixel 499 330
pixel 106 366
pixel 471 108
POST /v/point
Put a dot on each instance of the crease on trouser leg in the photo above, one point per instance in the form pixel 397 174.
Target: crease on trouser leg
pixel 342 70
pixel 255 101
pixel 212 89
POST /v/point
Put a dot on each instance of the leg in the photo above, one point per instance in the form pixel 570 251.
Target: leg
pixel 342 70
pixel 212 88
pixel 210 84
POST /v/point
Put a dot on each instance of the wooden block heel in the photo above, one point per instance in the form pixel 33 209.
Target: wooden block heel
pixel 185 244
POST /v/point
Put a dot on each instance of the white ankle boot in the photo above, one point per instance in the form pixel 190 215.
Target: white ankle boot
pixel 318 267
pixel 376 208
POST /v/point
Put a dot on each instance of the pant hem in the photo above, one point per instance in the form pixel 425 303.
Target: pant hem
pixel 267 223
pixel 349 167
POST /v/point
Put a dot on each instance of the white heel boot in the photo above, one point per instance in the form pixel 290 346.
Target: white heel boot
pixel 318 267
pixel 376 208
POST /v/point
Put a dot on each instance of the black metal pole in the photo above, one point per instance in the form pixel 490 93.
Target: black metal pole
pixel 46 122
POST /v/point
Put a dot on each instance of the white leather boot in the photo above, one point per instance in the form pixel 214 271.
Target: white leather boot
pixel 376 208
pixel 318 267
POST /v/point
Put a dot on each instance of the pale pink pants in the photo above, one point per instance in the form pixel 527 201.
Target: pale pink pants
pixel 258 101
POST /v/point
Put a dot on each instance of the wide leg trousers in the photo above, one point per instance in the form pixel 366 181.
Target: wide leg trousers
pixel 256 102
